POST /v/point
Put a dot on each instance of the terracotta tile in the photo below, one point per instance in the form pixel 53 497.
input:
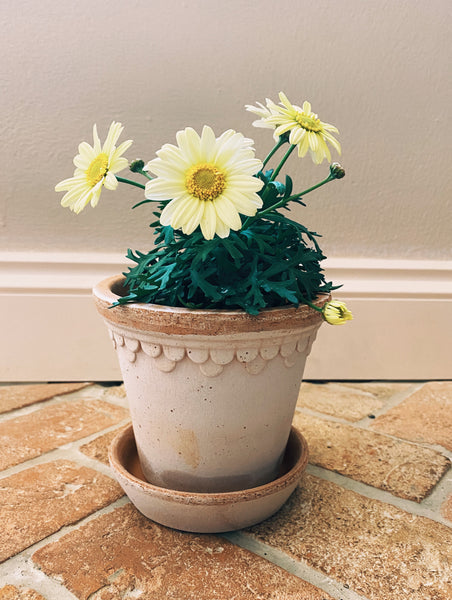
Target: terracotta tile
pixel 425 416
pixel 10 592
pixel 17 396
pixel 446 509
pixel 39 501
pixel 116 390
pixel 379 389
pixel 98 448
pixel 124 555
pixel 404 469
pixel 31 435
pixel 338 401
pixel 379 551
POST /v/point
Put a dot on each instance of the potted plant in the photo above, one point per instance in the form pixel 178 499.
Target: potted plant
pixel 214 323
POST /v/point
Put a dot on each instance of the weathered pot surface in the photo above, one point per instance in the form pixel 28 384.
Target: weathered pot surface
pixel 206 512
pixel 212 393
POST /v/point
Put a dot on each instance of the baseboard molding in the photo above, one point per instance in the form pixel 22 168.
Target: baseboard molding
pixel 402 327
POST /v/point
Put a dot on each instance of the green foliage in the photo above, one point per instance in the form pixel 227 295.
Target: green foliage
pixel 271 261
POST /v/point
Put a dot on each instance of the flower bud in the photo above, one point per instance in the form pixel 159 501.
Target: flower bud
pixel 336 171
pixel 136 165
pixel 336 313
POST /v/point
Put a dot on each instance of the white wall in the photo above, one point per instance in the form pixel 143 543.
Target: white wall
pixel 379 70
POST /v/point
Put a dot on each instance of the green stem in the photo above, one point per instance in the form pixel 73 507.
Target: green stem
pixel 317 308
pixel 277 146
pixel 283 160
pixel 285 201
pixel 146 174
pixel 314 187
pixel 130 182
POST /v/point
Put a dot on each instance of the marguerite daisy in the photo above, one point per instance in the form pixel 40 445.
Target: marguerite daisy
pixel 307 131
pixel 208 181
pixel 96 166
pixel 336 313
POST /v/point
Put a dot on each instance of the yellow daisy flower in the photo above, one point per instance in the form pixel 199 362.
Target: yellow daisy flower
pixel 307 131
pixel 209 181
pixel 96 166
pixel 336 313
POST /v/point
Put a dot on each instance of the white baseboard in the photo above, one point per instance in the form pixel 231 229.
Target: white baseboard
pixel 402 328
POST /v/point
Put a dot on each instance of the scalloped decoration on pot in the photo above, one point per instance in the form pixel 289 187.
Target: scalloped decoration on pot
pixel 211 361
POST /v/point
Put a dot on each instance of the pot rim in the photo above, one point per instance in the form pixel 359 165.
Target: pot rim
pixel 181 320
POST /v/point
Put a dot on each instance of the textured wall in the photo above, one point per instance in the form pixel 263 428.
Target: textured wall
pixel 379 70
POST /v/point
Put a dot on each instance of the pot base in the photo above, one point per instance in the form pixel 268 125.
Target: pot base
pixel 206 512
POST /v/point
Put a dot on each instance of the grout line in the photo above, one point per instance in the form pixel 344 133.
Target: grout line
pixel 69 451
pixel 389 403
pixel 365 422
pixel 21 570
pixel 300 569
pixel 418 510
pixel 90 392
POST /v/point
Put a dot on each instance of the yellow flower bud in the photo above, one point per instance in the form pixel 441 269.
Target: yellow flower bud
pixel 336 313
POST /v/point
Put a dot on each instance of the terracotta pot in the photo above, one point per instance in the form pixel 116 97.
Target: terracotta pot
pixel 212 393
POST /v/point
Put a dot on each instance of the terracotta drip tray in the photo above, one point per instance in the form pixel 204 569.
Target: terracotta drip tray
pixel 206 512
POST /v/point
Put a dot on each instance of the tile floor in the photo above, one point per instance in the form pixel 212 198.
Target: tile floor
pixel 371 519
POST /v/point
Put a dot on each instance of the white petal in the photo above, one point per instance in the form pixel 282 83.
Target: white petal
pixel 243 204
pixel 74 194
pixel 244 183
pixel 167 212
pixel 112 137
pixel 248 167
pixel 119 164
pixel 120 150
pixel 80 204
pixel 184 211
pixel 296 135
pixel 285 100
pixel 222 230
pixel 195 220
pixel 110 181
pixel 189 142
pixel 161 189
pixel 97 149
pixel 227 212
pixel 95 195
pixel 68 184
pixel 165 169
pixel 209 221
pixel 313 141
pixel 303 146
pixel 208 144
pixel 86 153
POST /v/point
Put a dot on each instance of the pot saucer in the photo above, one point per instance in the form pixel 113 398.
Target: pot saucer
pixel 206 512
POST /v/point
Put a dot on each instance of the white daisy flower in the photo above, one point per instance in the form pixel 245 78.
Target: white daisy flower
pixel 307 131
pixel 208 181
pixel 96 167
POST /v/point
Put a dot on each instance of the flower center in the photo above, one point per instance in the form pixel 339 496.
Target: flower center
pixel 309 122
pixel 97 169
pixel 205 181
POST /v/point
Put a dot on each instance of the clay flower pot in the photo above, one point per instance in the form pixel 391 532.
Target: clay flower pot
pixel 212 393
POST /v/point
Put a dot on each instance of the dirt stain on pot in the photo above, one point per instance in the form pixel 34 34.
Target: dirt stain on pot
pixel 186 445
